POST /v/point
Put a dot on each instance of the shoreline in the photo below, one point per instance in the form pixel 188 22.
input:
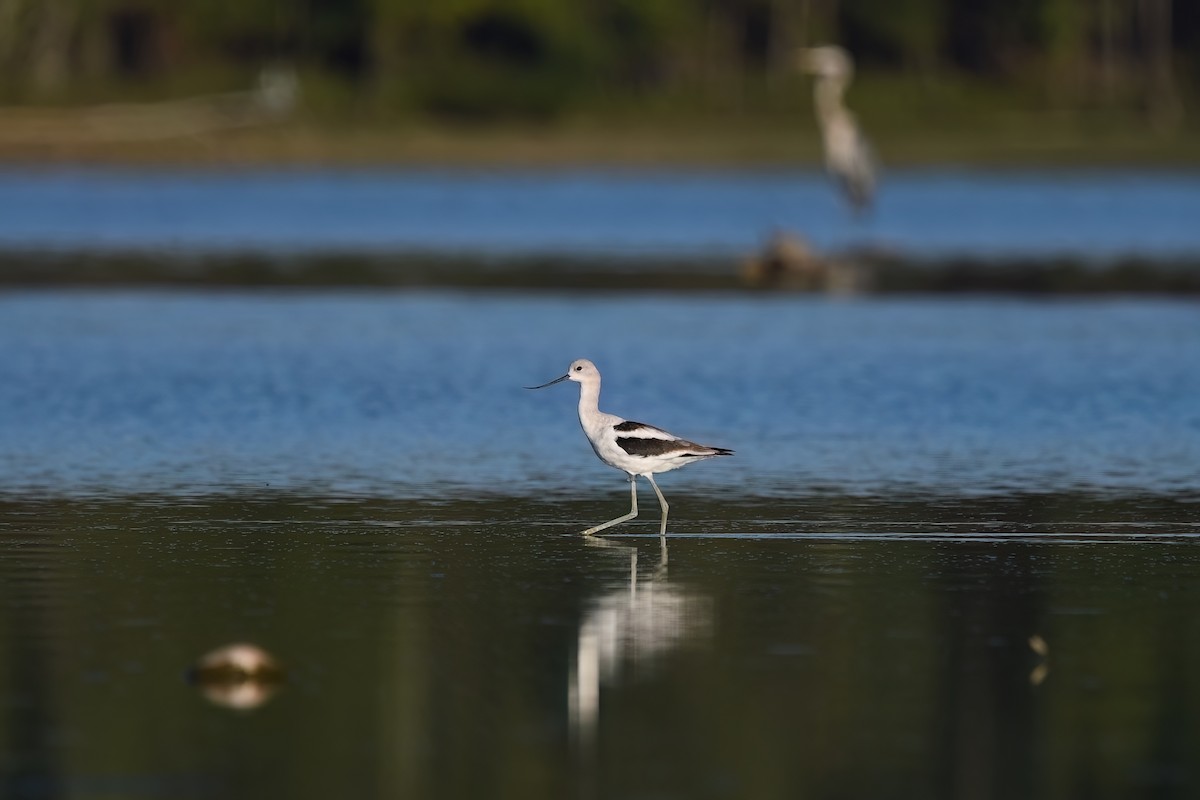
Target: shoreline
pixel 739 143
pixel 865 273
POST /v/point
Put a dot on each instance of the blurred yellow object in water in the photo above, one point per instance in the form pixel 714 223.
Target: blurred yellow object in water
pixel 241 676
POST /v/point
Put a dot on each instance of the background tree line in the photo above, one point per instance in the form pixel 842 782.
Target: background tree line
pixel 539 58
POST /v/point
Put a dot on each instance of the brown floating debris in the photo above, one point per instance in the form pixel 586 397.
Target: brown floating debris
pixel 788 261
pixel 241 676
pixel 1038 645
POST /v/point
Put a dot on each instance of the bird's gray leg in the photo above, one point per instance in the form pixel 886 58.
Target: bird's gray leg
pixel 662 501
pixel 625 518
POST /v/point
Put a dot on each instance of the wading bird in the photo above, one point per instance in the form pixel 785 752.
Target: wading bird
pixel 847 154
pixel 632 447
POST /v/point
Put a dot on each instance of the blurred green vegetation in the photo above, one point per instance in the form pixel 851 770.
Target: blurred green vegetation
pixel 1013 79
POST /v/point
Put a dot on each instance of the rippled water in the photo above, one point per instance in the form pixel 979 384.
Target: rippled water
pixel 419 394
pixel 1100 214
pixel 954 556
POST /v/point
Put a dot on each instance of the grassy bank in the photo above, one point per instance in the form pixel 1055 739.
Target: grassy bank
pixel 764 143
pixel 909 124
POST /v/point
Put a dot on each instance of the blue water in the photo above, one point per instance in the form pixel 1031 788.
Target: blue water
pixel 1093 214
pixel 954 556
pixel 419 394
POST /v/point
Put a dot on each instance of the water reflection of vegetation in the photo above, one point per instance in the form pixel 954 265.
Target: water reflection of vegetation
pixel 723 514
pixel 430 644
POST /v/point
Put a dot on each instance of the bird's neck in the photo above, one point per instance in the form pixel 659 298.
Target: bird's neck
pixel 827 95
pixel 589 401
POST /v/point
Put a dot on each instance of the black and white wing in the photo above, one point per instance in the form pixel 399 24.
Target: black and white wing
pixel 647 441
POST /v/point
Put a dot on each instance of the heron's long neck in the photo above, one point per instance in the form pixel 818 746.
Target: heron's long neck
pixel 827 95
pixel 589 401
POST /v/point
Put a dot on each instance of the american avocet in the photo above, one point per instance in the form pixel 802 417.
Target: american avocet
pixel 632 447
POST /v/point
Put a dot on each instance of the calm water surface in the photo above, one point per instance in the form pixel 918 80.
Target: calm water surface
pixel 1090 215
pixel 471 649
pixel 357 483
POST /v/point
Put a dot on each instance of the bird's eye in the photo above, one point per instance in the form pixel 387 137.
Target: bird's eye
pixel 579 368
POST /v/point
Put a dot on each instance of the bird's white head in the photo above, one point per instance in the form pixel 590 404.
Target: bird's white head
pixel 826 61
pixel 580 371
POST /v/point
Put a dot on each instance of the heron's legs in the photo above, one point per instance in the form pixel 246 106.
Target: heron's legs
pixel 626 517
pixel 662 501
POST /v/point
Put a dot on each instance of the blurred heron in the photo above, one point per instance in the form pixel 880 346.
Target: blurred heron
pixel 847 154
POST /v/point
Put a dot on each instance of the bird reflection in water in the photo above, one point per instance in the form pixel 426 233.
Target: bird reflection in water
pixel 238 676
pixel 633 627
